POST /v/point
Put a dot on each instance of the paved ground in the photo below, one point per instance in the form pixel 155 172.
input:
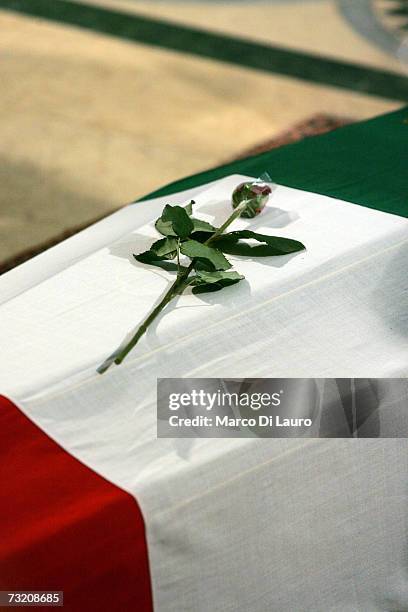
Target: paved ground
pixel 90 121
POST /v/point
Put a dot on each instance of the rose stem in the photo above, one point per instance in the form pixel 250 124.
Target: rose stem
pixel 175 289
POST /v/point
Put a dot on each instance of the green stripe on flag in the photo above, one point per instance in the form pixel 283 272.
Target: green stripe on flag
pixel 365 163
pixel 221 47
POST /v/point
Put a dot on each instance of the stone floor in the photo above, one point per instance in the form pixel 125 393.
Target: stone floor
pixel 89 122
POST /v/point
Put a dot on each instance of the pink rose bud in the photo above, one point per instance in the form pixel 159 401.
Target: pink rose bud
pixel 255 193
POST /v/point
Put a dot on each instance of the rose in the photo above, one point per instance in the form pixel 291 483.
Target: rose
pixel 255 194
pixel 195 251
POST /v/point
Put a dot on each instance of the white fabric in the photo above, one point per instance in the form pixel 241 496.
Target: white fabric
pixel 302 525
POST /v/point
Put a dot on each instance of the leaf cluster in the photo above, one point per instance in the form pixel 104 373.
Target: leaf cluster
pixel 206 248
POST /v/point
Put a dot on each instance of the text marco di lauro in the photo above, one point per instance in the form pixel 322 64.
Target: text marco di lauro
pixel 226 421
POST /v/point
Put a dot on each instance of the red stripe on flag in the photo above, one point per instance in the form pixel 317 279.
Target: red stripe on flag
pixel 64 528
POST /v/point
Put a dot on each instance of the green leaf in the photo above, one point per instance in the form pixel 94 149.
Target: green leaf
pixel 214 281
pixel 181 222
pixel 203 226
pixel 271 245
pixel 166 247
pixel 189 207
pixel 153 259
pixel 216 276
pixel 203 265
pixel 202 252
pixel 174 221
pixel 165 227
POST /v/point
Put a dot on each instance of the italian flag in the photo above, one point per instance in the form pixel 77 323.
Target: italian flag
pixel 95 505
